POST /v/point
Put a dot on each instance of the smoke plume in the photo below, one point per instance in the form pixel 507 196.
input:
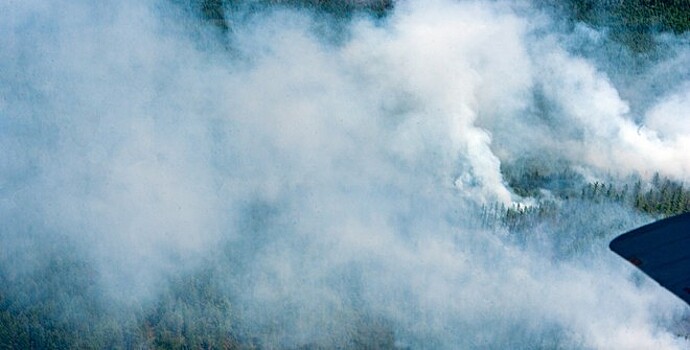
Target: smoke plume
pixel 329 171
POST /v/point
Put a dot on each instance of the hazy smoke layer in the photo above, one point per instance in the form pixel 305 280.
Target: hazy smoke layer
pixel 333 172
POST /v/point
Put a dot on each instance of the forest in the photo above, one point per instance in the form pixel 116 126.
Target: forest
pixel 58 304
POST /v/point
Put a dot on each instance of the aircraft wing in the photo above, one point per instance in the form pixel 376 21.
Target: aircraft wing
pixel 662 250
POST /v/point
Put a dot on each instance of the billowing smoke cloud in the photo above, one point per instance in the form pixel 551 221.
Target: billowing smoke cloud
pixel 332 173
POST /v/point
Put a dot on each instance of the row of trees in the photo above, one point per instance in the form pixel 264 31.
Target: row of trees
pixel 660 198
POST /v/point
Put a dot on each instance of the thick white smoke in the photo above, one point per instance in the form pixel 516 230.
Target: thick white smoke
pixel 342 175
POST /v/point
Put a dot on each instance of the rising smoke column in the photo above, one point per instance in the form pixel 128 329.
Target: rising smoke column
pixel 329 179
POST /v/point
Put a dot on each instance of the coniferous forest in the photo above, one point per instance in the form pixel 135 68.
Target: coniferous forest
pixel 58 302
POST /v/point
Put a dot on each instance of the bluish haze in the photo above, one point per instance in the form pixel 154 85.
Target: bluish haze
pixel 332 170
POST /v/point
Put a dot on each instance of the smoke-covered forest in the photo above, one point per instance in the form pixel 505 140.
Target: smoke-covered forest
pixel 235 174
